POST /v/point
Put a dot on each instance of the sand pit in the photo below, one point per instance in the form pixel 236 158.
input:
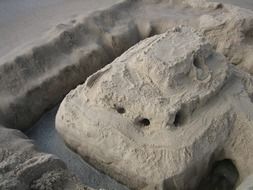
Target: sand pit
pixel 36 76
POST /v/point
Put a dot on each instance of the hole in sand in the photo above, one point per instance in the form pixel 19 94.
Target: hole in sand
pixel 197 62
pixel 219 6
pixel 179 118
pixel 142 122
pixel 120 109
pixel 223 175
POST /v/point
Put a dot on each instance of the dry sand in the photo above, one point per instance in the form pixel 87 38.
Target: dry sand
pixel 159 114
pixel 22 22
pixel 48 140
pixel 248 4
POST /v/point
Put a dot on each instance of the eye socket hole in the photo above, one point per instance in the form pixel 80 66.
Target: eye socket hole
pixel 219 6
pixel 120 109
pixel 197 62
pixel 143 122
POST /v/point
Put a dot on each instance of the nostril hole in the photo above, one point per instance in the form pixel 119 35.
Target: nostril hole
pixel 219 6
pixel 178 119
pixel 120 109
pixel 143 122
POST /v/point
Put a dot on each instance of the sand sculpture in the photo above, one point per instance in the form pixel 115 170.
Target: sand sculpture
pixel 160 112
pixel 37 77
pixel 202 89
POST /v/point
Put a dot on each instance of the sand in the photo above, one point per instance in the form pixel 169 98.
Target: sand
pixel 48 140
pixel 159 114
pixel 248 4
pixel 24 21
pixel 22 26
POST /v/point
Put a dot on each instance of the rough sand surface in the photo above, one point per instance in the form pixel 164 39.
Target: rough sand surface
pixel 247 4
pixel 39 76
pixel 16 33
pixel 160 112
pixel 24 21
pixel 48 140
pixel 23 167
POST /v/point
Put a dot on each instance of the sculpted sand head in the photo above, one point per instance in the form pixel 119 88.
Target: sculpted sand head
pixel 155 86
pixel 150 118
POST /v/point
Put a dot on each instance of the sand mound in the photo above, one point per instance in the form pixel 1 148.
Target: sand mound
pixel 160 113
pixel 22 167
pixel 37 77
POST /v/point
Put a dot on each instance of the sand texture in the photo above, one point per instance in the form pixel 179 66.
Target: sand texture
pixel 24 21
pixel 47 139
pixel 247 184
pixel 159 125
pixel 35 78
pixel 22 167
pixel 161 112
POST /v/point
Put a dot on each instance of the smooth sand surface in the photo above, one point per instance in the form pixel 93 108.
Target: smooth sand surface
pixel 22 21
pixel 48 140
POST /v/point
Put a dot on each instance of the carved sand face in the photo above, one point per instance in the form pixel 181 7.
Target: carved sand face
pixel 150 115
pixel 152 91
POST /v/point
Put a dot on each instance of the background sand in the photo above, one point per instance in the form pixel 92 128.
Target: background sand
pixel 22 21
pixel 242 3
